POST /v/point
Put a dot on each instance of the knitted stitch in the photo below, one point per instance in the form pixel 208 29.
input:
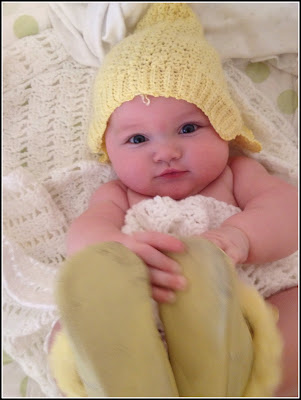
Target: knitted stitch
pixel 167 56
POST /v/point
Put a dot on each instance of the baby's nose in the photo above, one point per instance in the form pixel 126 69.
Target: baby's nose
pixel 167 151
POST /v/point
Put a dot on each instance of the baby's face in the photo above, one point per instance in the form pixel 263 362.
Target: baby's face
pixel 166 148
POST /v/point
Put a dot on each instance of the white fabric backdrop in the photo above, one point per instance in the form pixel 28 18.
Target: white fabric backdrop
pixel 236 30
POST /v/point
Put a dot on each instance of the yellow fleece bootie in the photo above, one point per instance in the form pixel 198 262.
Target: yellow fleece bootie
pixel 222 336
pixel 104 297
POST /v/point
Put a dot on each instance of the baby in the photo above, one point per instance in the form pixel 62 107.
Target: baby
pixel 164 119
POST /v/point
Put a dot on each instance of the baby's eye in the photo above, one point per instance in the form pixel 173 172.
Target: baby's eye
pixel 137 139
pixel 188 128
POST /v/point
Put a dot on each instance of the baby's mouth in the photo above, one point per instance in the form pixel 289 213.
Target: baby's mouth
pixel 172 173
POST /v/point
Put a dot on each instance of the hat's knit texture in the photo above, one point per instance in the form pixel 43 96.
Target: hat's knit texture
pixel 167 55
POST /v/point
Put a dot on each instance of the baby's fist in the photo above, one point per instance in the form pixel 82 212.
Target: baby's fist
pixel 233 241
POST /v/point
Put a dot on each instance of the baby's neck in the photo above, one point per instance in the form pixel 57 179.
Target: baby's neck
pixel 134 197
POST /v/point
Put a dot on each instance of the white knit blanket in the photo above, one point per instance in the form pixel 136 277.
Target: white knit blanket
pixel 49 176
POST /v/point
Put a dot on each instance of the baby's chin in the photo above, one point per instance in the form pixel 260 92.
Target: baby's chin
pixel 178 188
pixel 176 193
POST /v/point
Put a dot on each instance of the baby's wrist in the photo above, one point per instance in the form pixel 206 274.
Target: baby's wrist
pixel 236 231
pixel 240 239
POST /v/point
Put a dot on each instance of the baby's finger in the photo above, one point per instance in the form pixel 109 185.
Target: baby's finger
pixel 156 259
pixel 160 241
pixel 162 295
pixel 167 280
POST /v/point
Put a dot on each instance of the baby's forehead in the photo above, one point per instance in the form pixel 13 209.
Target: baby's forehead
pixel 147 104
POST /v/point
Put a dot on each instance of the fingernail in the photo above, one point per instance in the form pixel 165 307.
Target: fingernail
pixel 171 297
pixel 182 282
pixel 184 247
pixel 176 267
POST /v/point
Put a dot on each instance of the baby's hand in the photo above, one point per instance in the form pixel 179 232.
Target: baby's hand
pixel 164 272
pixel 233 241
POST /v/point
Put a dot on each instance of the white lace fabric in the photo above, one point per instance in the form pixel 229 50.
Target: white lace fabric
pixel 49 176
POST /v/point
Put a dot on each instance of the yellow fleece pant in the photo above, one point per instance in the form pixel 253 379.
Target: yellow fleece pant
pixel 221 335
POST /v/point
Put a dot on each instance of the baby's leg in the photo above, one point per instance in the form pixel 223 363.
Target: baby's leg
pixel 210 346
pixel 105 303
pixel 287 304
pixel 221 334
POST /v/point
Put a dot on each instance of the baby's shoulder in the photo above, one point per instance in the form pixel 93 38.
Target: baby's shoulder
pixel 119 193
pixel 227 176
pixel 250 174
pixel 243 165
pixel 251 179
pixel 114 191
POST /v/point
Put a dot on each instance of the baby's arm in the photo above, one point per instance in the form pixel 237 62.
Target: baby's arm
pixel 102 222
pixel 267 227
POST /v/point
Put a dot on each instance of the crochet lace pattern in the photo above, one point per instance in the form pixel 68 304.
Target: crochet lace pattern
pixel 49 176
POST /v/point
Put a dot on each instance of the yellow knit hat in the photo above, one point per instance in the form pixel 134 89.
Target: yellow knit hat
pixel 167 55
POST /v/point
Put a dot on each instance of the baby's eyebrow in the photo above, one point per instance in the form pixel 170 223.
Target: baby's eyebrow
pixel 129 130
pixel 121 127
pixel 196 114
pixel 130 126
